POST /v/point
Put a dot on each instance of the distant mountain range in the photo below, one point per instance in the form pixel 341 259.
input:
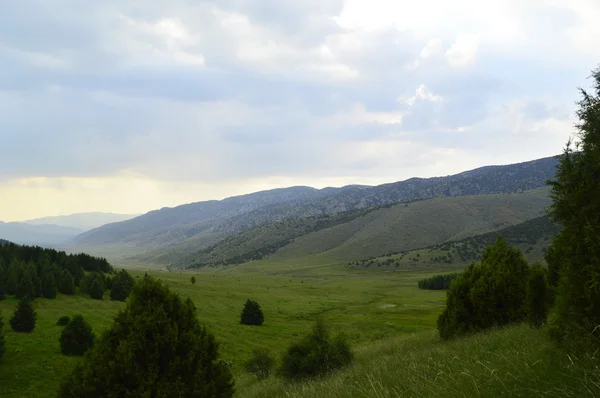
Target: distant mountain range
pixel 52 231
pixel 179 235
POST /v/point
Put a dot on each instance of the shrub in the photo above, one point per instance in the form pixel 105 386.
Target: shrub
pixel 155 347
pixel 260 364
pixel 77 337
pixel 193 280
pixel 488 294
pixel 538 296
pixel 24 317
pixel 438 282
pixel 315 355
pixel 252 314
pixel 63 321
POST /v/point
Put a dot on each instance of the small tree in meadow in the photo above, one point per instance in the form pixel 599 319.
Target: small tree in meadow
pixel 316 354
pixel 538 296
pixel 77 337
pixel 193 280
pixel 260 364
pixel 24 317
pixel 122 284
pixel 252 314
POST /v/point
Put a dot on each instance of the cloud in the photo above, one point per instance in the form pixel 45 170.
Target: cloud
pixel 211 96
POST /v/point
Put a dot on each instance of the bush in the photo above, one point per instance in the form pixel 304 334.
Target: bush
pixel 63 321
pixel 538 296
pixel 315 355
pixel 155 347
pixel 488 294
pixel 252 314
pixel 77 337
pixel 24 317
pixel 260 364
pixel 193 280
pixel 438 282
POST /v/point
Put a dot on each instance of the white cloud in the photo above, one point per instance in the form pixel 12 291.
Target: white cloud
pixel 463 51
pixel 420 94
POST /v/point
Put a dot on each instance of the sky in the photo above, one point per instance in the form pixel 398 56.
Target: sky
pixel 127 106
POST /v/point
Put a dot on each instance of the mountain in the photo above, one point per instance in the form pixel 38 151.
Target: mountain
pixel 532 237
pixel 42 235
pixel 376 231
pixel 170 234
pixel 82 221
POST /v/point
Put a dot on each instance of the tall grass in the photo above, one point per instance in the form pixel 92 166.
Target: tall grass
pixel 512 362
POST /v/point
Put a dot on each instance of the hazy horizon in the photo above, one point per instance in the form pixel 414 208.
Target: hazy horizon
pixel 118 108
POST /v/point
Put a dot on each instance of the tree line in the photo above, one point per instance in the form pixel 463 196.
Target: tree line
pixel 438 282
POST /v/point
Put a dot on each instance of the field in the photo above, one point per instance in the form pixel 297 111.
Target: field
pixel 367 306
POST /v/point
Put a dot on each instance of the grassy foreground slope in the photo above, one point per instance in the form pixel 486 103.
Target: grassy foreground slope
pixel 514 362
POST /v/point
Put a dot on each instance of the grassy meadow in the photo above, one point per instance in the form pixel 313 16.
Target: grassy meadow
pixel 367 306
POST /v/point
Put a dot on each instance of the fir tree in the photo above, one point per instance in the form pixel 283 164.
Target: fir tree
pixel 24 317
pixel 65 283
pixel 538 296
pixel 77 337
pixel 2 345
pixel 252 314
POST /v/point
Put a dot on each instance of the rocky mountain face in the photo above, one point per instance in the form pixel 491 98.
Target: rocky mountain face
pixel 168 233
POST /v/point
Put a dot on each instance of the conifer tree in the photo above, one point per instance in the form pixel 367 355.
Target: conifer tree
pixel 575 194
pixel 252 314
pixel 155 348
pixel 122 284
pixel 77 337
pixel 2 344
pixel 65 283
pixel 49 285
pixel 24 317
pixel 538 296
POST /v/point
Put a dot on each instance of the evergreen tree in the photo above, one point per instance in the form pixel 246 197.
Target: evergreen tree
pixel 488 294
pixel 96 289
pixel 49 285
pixel 193 280
pixel 24 317
pixel 3 274
pixel 2 345
pixel 156 347
pixel 575 194
pixel 25 289
pixel 65 283
pixel 77 337
pixel 538 296
pixel 123 283
pixel 15 270
pixel 252 314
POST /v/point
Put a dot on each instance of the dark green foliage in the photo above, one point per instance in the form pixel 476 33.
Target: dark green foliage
pixel 15 270
pixel 49 285
pixel 122 284
pixel 24 317
pixel 252 314
pixel 77 337
pixel 538 296
pixel 2 344
pixel 63 321
pixel 93 285
pixel 155 348
pixel 193 280
pixel 575 193
pixel 65 283
pixel 438 282
pixel 260 364
pixel 488 294
pixel 25 289
pixel 315 355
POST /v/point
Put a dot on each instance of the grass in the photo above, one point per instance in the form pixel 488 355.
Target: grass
pixel 513 362
pixel 367 306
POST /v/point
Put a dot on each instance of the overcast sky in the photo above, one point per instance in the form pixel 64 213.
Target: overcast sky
pixel 130 105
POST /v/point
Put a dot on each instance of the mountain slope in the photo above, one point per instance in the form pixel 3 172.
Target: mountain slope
pixel 376 231
pixel 167 235
pixel 82 221
pixel 36 234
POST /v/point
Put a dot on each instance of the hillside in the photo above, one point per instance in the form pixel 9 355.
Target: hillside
pixel 532 237
pixel 376 231
pixel 82 221
pixel 42 235
pixel 170 234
